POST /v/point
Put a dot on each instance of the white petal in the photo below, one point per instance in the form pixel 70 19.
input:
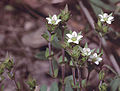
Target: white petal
pixel 110 18
pixel 54 17
pixel 48 19
pixel 102 20
pixel 97 62
pixel 109 22
pixel 69 41
pixel 89 53
pixel 105 15
pixel 74 34
pixel 76 42
pixel 99 59
pixel 101 16
pixel 89 59
pixel 69 36
pixel 58 21
pixel 79 37
pixel 95 55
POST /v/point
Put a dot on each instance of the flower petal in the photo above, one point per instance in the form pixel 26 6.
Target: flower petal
pixel 100 15
pixel 74 34
pixel 111 18
pixel 109 22
pixel 69 36
pixel 105 15
pixel 76 42
pixel 79 37
pixel 48 19
pixel 54 17
pixel 97 62
pixel 69 41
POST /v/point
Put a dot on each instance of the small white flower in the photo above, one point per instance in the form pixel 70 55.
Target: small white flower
pixel 86 52
pixel 53 20
pixel 95 58
pixel 106 18
pixel 74 38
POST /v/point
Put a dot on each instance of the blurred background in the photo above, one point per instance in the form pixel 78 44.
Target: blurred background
pixel 22 22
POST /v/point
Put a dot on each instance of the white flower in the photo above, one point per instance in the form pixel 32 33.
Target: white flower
pixel 74 38
pixel 86 52
pixel 53 20
pixel 95 58
pixel 106 18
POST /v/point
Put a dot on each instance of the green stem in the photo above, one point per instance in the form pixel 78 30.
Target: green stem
pixel 79 77
pixel 63 65
pixel 73 73
pixel 50 59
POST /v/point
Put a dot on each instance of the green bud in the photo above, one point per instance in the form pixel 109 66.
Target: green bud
pixel 32 83
pixel 65 14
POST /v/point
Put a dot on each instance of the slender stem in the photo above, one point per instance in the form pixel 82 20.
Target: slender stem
pixel 63 76
pixel 63 65
pixel 79 77
pixel 73 73
pixel 50 59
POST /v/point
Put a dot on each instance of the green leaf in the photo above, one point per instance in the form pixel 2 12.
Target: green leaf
pixel 84 84
pixel 55 68
pixel 41 55
pixel 46 36
pixel 98 50
pixel 114 1
pixel 19 87
pixel 86 45
pixel 55 43
pixel 43 88
pixel 61 60
pixel 68 86
pixel 53 36
pixel 101 75
pixel 101 4
pixel 47 53
pixel 114 84
pixel 54 87
pixel 99 23
pixel 68 79
pixel 71 63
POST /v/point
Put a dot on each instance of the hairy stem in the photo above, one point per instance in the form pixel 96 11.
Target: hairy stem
pixel 73 73
pixel 50 59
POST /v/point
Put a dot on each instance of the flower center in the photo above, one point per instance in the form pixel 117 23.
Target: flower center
pixel 53 21
pixel 105 19
pixel 73 38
